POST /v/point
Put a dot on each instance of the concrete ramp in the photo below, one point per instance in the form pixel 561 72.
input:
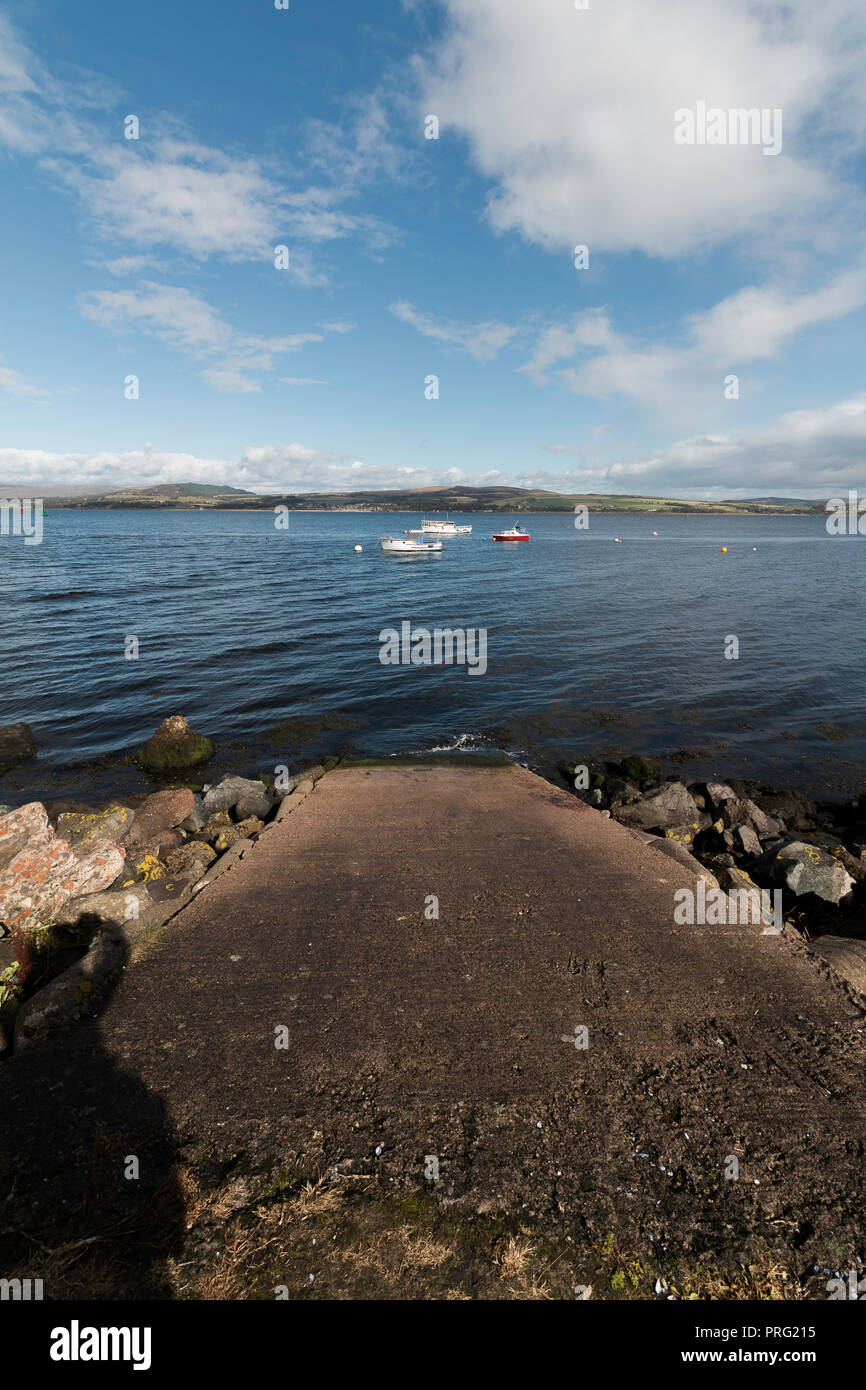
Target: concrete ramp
pixel 468 964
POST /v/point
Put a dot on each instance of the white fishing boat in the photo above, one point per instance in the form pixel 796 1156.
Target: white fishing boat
pixel 400 545
pixel 443 528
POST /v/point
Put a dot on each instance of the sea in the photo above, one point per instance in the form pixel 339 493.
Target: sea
pixel 728 646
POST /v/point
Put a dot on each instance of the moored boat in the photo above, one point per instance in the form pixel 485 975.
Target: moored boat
pixel 514 534
pixel 398 545
pixel 444 528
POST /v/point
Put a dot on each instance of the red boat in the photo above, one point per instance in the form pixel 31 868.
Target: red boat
pixel 515 534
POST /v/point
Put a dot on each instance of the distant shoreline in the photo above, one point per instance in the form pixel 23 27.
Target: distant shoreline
pixel 698 510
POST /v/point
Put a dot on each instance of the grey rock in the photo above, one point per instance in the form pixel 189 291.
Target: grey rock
pixel 225 795
pixel 190 860
pixel 806 870
pixel 747 840
pixel 671 805
pixel 720 792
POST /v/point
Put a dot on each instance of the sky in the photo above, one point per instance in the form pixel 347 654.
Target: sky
pixel 428 320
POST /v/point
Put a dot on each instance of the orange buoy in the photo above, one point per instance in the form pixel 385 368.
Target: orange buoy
pixel 724 550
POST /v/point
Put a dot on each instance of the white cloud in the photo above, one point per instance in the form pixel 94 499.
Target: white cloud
pixel 683 379
pixel 188 323
pixel 169 190
pixel 569 114
pixel 801 454
pixel 16 384
pixel 483 341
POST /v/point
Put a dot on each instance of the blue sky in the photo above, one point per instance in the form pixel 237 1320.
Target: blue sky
pixel 411 257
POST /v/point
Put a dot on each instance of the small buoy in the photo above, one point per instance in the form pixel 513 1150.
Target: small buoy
pixel 724 550
pixel 655 533
pixel 358 549
pixel 754 547
pixel 617 541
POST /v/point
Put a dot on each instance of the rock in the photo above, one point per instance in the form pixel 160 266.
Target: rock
pixel 174 747
pixel 720 792
pixel 620 790
pixel 755 909
pixel 746 840
pixel 675 850
pixel 643 771
pixel 104 909
pixel 16 745
pixel 251 826
pixel 42 878
pixel 312 774
pixel 143 866
pixel 806 870
pixel 161 811
pixel 190 861
pixel 847 957
pixel 671 805
pixel 195 821
pixel 215 825
pixel 26 825
pixel 74 993
pixel 80 830
pixel 233 791
pixel 745 812
pixel 285 788
pixel 682 834
pixel 226 838
pixel 258 806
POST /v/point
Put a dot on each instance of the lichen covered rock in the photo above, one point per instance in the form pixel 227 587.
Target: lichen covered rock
pixel 174 747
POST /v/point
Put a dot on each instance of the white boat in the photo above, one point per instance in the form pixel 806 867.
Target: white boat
pixel 398 545
pixel 444 528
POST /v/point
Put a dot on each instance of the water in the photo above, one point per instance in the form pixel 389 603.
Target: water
pixel 269 642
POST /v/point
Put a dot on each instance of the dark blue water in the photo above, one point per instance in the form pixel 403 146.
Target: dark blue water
pixel 269 642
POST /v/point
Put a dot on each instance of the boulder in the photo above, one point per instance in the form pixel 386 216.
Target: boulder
pixel 26 825
pixel 142 866
pixel 808 871
pixel 228 793
pixel 258 806
pixel 214 826
pixel 742 811
pixel 161 811
pixel 104 909
pixel 80 830
pixel 719 792
pixel 16 744
pixel 190 861
pixel 226 838
pixel 195 821
pixel 671 805
pixel 746 840
pixel 174 747
pixel 251 826
pixel 682 834
pixel 43 877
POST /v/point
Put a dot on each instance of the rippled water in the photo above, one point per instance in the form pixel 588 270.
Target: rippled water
pixel 269 641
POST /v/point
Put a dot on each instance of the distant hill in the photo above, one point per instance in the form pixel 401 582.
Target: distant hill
pixel 180 490
pixel 184 496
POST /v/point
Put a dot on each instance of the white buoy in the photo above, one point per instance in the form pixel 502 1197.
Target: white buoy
pixel 358 549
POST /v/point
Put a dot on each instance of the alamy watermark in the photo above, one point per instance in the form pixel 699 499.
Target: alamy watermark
pixel 846 516
pixel 22 516
pixel 714 907
pixel 737 126
pixel 444 646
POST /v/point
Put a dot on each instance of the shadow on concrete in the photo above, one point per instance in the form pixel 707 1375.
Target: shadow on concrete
pixel 89 1198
